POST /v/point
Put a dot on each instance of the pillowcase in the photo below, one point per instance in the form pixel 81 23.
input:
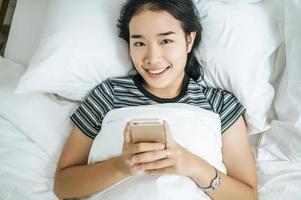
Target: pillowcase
pixel 41 117
pixel 26 30
pixel 207 145
pixel 79 49
pixel 238 51
pixel 229 1
pixel 238 1
pixel 10 72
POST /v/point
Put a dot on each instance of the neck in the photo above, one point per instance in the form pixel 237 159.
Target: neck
pixel 169 92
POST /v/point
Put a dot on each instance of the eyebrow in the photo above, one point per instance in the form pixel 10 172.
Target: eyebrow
pixel 160 34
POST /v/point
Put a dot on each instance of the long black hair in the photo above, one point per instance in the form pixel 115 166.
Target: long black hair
pixel 183 10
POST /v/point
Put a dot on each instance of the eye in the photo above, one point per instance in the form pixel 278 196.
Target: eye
pixel 139 44
pixel 166 41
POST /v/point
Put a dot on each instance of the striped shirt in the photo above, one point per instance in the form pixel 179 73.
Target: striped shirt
pixel 128 91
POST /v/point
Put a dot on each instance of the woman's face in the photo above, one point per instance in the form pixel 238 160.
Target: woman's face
pixel 159 48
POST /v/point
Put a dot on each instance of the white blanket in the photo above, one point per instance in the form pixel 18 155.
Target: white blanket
pixel 196 129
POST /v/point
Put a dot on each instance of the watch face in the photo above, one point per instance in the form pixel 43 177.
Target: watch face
pixel 216 183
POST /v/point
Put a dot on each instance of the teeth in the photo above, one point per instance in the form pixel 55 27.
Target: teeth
pixel 156 71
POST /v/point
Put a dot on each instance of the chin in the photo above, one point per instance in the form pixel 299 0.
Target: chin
pixel 158 85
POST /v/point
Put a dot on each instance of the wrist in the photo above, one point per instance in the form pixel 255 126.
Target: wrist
pixel 121 167
pixel 214 183
pixel 202 173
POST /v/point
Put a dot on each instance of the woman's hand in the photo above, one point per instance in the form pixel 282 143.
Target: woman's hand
pixel 130 151
pixel 173 160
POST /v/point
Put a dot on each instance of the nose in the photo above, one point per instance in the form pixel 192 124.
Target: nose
pixel 153 54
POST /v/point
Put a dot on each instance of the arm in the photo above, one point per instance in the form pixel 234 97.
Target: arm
pixel 241 180
pixel 74 178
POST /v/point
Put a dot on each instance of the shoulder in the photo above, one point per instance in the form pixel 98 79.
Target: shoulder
pixel 109 85
pixel 214 96
pixel 120 81
pixel 218 97
pixel 226 105
pixel 222 102
pixel 115 81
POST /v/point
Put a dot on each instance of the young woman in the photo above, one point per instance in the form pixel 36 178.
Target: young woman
pixel 161 36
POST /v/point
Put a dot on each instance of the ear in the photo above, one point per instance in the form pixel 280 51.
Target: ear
pixel 190 40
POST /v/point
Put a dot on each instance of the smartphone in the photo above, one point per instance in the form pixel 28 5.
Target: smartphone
pixel 147 130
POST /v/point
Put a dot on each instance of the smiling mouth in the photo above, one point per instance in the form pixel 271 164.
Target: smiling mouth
pixel 157 71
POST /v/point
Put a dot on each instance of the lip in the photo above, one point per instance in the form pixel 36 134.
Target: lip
pixel 155 75
pixel 154 68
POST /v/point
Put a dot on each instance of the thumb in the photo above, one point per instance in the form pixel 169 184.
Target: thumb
pixel 127 136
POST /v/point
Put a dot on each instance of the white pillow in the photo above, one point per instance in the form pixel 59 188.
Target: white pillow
pixel 26 29
pixel 41 117
pixel 239 1
pixel 10 72
pixel 230 1
pixel 79 49
pixel 238 53
pixel 206 143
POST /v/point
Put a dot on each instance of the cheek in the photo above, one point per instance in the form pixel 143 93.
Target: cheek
pixel 136 57
pixel 178 57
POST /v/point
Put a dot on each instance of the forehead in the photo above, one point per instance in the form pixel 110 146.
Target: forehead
pixel 148 22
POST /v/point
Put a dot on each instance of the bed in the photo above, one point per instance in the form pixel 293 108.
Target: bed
pixel 52 61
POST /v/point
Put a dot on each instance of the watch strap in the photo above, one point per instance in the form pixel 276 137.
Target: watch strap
pixel 214 184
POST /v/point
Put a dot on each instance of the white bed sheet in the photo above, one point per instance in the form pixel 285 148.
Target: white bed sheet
pixel 24 168
pixel 279 151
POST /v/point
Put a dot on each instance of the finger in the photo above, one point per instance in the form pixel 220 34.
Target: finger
pixel 166 170
pixel 127 136
pixel 158 164
pixel 144 147
pixel 149 156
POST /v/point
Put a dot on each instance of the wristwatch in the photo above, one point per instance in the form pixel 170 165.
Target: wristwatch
pixel 215 183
